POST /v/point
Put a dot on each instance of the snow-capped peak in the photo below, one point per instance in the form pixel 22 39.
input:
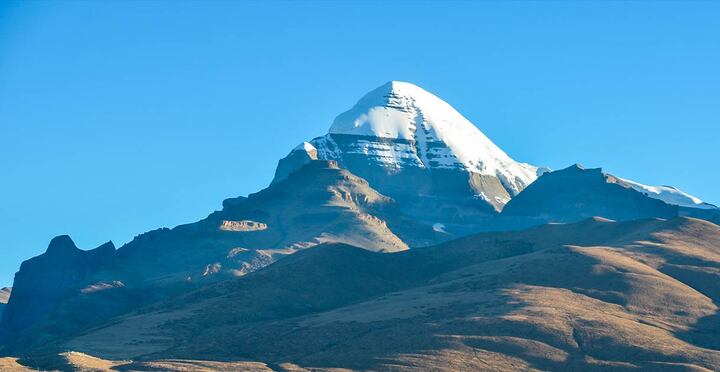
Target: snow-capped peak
pixel 440 136
pixel 384 112
pixel 669 195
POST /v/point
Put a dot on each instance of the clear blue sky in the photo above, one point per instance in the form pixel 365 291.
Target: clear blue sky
pixel 118 118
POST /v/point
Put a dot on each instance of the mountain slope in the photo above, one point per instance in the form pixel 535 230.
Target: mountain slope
pixel 319 203
pixel 595 294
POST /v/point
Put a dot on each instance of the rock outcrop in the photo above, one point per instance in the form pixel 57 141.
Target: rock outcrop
pixel 298 157
pixel 4 297
pixel 43 281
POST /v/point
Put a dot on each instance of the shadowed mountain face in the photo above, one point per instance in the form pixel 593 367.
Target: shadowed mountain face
pixel 42 281
pixel 595 294
pixel 575 193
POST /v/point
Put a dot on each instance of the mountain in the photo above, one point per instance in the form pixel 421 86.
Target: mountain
pixel 414 147
pixel 575 193
pixel 403 239
pixel 585 296
pixel 67 289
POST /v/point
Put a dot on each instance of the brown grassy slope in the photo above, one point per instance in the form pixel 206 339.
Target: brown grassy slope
pixel 584 296
pixel 8 364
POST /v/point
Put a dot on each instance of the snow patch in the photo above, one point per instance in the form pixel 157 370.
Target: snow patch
pixel 306 146
pixel 669 195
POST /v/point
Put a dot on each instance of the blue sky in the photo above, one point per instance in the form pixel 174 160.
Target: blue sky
pixel 118 118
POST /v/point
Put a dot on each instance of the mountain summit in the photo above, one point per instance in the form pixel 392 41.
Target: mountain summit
pixel 400 134
pixel 438 136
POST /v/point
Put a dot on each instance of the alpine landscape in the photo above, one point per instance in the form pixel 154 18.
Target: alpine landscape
pixel 402 239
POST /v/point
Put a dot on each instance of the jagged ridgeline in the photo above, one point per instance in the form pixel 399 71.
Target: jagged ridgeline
pixel 401 239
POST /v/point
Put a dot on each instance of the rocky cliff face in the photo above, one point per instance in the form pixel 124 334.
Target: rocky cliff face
pixel 44 280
